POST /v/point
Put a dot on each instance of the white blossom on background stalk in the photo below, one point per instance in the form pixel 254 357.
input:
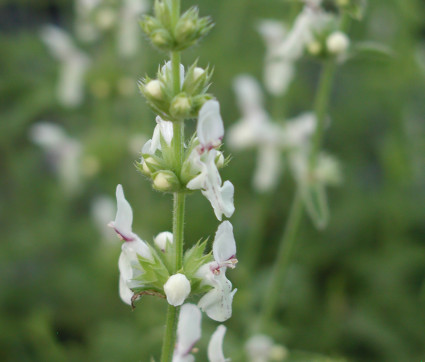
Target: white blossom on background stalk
pixel 210 132
pixel 278 71
pixel 132 247
pixel 217 303
pixel 102 210
pixel 261 348
pixel 129 30
pixel 73 65
pixel 84 26
pixel 63 153
pixel 256 130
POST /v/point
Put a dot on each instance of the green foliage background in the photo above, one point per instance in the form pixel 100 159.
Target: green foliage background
pixel 355 291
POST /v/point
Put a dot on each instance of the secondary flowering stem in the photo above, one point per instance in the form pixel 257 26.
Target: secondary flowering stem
pixel 282 261
pixel 288 240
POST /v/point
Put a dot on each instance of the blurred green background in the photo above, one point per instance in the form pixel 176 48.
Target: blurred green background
pixel 354 291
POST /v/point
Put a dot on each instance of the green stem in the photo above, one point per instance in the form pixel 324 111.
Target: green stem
pixel 178 201
pixel 283 258
pixel 170 334
pixel 320 108
pixel 288 240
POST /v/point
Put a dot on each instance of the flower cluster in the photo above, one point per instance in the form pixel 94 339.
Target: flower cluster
pixel 289 140
pixel 148 269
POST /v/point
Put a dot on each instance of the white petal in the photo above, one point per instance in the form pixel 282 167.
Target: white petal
pixel 125 292
pixel 48 135
pixel 177 289
pixel 268 168
pixel 162 239
pixel 217 303
pixel 227 192
pixel 259 348
pixel 210 127
pixel 224 246
pixel 249 94
pixel 166 129
pixel 188 331
pixel 278 75
pixel 273 33
pixel 124 217
pixel 215 347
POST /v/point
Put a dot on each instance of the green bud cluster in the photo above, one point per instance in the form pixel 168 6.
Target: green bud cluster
pixel 164 172
pixel 157 270
pixel 319 46
pixel 169 35
pixel 161 97
pixel 354 8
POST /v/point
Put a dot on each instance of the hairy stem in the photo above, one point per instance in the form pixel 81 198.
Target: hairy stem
pixel 178 201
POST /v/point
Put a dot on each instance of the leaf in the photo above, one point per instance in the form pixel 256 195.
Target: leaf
pixel 194 258
pixel 315 201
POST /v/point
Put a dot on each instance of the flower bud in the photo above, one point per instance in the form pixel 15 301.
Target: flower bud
pixel 185 29
pixel 177 289
pixel 314 48
pixel 160 38
pixel 198 72
pixel 162 239
pixel 219 159
pixel 153 88
pixel 147 163
pixel 337 43
pixel 180 106
pixel 165 181
pixel 105 18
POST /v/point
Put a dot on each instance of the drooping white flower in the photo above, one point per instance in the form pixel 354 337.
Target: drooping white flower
pixel 215 347
pixel 177 289
pixel 63 153
pixel 132 247
pixel 84 25
pixel 210 133
pixel 73 65
pixel 217 303
pixel 188 333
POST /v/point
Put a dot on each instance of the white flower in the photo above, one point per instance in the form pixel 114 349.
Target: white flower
pixel 255 129
pixel 162 239
pixel 102 210
pixel 210 132
pixel 163 129
pixel 132 247
pixel 63 152
pixel 177 289
pixel 337 43
pixel 188 333
pixel 74 65
pixel 278 71
pixel 259 348
pixel 217 303
pixel 215 347
pixel 129 31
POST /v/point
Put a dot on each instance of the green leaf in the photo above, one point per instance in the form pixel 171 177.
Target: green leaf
pixel 194 258
pixel 315 201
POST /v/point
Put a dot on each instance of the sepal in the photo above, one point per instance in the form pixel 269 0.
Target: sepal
pixel 316 204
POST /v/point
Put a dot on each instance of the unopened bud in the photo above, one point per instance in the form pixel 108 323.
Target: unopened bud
pixel 219 159
pixel 153 88
pixel 160 38
pixel 165 181
pixel 198 72
pixel 177 289
pixel 180 106
pixel 314 48
pixel 105 18
pixel 149 161
pixel 337 42
pixel 162 239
